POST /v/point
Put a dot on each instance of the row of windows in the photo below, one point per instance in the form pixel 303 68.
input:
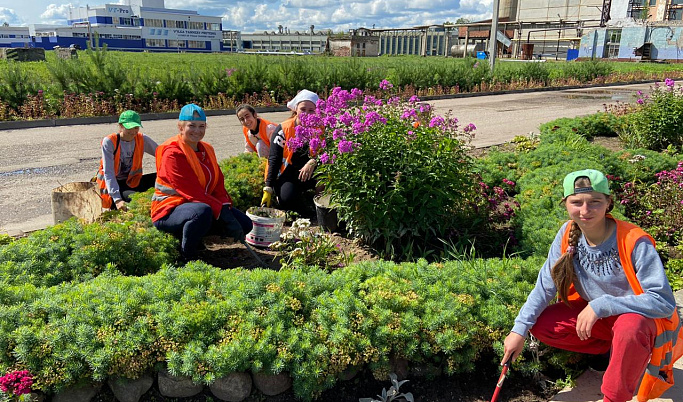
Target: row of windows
pixel 155 22
pixel 14 36
pixel 180 44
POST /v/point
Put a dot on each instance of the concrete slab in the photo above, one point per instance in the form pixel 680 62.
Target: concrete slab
pixel 587 388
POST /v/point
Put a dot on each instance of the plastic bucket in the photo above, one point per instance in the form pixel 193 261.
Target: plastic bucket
pixel 327 216
pixel 267 228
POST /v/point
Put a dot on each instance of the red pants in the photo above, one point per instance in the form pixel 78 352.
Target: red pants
pixel 630 338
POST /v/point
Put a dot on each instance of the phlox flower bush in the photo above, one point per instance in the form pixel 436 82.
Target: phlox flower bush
pixel 398 174
pixel 658 206
pixel 657 120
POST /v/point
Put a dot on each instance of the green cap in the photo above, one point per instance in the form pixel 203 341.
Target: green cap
pixel 130 119
pixel 598 181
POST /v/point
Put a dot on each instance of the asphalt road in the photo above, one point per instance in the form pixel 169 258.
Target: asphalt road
pixel 33 161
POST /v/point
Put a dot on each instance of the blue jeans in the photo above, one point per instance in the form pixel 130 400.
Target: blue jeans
pixel 191 221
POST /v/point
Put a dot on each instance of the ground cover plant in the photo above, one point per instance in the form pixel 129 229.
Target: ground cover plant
pixel 111 303
pixel 102 82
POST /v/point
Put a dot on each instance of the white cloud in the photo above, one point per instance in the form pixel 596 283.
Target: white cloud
pixel 9 16
pixel 55 12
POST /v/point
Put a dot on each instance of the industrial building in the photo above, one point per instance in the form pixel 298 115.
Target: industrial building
pixel 134 25
pixel 14 36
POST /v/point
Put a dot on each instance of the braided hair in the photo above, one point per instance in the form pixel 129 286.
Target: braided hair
pixel 562 272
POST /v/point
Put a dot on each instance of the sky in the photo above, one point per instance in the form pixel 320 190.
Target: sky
pixel 265 15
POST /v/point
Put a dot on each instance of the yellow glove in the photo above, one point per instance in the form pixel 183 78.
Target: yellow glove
pixel 267 199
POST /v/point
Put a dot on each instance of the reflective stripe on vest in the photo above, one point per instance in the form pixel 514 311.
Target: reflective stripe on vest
pixel 668 345
pixel 165 195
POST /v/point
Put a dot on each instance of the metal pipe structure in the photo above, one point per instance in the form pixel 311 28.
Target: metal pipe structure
pixel 493 41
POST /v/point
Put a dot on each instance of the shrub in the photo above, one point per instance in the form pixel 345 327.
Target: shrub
pixel 657 206
pixel 206 322
pixel 657 123
pixel 397 174
pixel 244 179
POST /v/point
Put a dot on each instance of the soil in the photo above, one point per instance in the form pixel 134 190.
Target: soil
pixel 474 387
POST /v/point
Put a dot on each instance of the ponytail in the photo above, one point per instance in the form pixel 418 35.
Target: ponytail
pixel 562 272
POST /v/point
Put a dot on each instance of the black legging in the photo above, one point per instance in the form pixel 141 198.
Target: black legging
pixel 146 182
pixel 290 189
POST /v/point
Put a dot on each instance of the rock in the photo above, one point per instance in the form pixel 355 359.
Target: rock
pixel 272 384
pixel 78 393
pixel 234 387
pixel 177 387
pixel 399 367
pixel 349 373
pixel 127 390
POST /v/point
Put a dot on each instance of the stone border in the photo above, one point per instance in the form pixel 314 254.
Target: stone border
pixel 21 124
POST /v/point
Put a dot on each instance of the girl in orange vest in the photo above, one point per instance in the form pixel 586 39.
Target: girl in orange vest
pixel 614 296
pixel 190 197
pixel 288 173
pixel 120 173
pixel 257 131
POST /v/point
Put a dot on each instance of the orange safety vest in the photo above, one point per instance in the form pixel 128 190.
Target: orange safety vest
pixel 165 196
pixel 288 127
pixel 262 133
pixel 668 347
pixel 135 173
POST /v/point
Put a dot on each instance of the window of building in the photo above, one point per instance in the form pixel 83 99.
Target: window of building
pixel 126 22
pixel 177 43
pixel 196 44
pixel 612 44
pixel 653 3
pixel 195 25
pixel 213 27
pixel 154 22
pixel 155 42
pixel 179 24
pixel 79 35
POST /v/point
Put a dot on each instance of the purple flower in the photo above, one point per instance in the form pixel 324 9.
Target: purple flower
pixel 385 85
pixel 345 146
pixel 413 99
pixel 640 101
pixel 469 128
pixel 324 158
pixel 408 113
pixel 436 121
pixel 669 82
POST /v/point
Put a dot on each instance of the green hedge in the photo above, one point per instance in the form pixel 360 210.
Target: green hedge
pixel 206 322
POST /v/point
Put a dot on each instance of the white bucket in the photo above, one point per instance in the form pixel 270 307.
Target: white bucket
pixel 266 229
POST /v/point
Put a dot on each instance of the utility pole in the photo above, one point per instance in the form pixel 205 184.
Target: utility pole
pixel 493 40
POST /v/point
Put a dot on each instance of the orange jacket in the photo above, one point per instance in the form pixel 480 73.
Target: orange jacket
pixel 135 173
pixel 176 185
pixel 668 345
pixel 263 132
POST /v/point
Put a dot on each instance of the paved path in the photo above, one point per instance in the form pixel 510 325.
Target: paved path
pixel 33 161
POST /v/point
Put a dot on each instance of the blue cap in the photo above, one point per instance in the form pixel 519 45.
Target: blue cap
pixel 192 112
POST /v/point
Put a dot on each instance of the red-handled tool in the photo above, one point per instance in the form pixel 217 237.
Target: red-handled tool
pixel 499 384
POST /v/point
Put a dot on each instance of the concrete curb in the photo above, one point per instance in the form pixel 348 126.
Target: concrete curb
pixel 21 124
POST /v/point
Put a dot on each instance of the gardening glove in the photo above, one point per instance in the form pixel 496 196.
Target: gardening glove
pixel 230 226
pixel 267 199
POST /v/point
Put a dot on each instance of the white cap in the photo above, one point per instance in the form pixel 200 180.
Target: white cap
pixel 303 95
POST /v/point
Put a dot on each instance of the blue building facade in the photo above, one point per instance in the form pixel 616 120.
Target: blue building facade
pixel 137 25
pixel 652 41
